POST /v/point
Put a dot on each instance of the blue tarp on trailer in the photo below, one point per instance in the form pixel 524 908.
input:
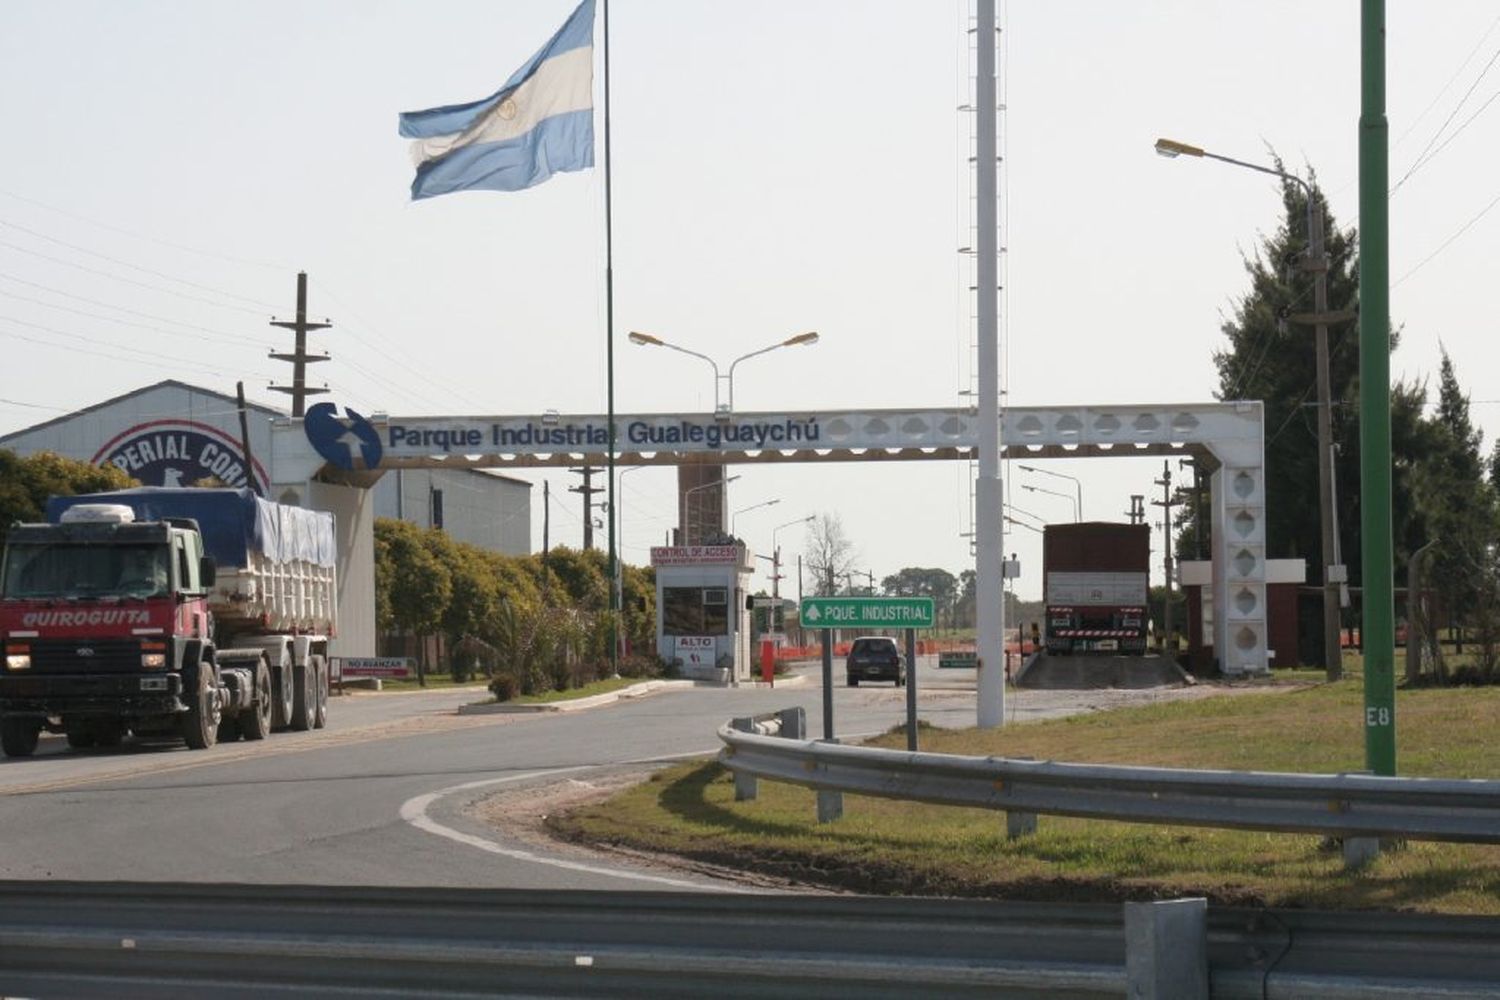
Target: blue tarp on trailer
pixel 233 522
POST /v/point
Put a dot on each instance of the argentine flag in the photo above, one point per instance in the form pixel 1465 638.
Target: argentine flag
pixel 540 122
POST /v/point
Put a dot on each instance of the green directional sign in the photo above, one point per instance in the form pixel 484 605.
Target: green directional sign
pixel 867 612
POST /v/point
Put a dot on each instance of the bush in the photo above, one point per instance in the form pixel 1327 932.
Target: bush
pixel 504 686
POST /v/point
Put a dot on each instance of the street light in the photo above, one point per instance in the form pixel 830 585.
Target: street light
pixel 1012 508
pixel 1060 475
pixel 618 513
pixel 723 410
pixel 1317 263
pixel 687 504
pixel 763 503
pixel 1066 496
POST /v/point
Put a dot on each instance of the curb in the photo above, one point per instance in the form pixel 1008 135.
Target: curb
pixel 577 704
pixel 790 681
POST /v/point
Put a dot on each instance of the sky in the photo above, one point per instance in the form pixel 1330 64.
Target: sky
pixel 778 167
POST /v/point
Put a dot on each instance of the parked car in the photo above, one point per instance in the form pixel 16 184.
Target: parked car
pixel 875 658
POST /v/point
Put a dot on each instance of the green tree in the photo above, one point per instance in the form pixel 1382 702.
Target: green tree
pixel 418 585
pixel 1456 500
pixel 1270 357
pixel 933 582
pixel 1273 359
pixel 26 483
pixel 582 575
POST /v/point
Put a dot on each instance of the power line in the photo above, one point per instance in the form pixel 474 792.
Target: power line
pixel 128 281
pixel 107 305
pixel 1456 73
pixel 133 267
pixel 170 362
pixel 1444 245
pixel 148 239
pixel 1423 158
pixel 33 406
pixel 196 334
pixel 407 365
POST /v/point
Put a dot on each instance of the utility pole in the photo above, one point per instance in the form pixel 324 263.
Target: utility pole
pixel 587 490
pixel 1198 537
pixel 1316 262
pixel 239 388
pixel 1137 511
pixel 1166 503
pixel 776 589
pixel 299 358
pixel 546 531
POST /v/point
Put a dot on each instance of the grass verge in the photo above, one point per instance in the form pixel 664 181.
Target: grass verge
pixel 588 690
pixel 892 847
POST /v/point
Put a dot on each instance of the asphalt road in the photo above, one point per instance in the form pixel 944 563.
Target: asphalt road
pixel 379 797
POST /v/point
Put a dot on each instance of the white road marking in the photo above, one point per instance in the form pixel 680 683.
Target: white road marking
pixel 414 811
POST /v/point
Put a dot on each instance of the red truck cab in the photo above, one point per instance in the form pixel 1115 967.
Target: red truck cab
pixel 105 623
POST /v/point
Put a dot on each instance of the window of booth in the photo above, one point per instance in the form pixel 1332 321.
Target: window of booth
pixel 695 610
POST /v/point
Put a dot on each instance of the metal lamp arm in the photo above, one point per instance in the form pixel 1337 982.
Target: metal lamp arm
pixel 744 357
pixel 711 363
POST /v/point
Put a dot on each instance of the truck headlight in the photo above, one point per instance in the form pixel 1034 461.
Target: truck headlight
pixel 153 661
pixel 20 661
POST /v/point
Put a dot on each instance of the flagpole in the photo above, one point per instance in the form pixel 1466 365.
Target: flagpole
pixel 616 582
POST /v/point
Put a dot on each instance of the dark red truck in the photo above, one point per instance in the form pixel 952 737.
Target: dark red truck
pixel 1095 583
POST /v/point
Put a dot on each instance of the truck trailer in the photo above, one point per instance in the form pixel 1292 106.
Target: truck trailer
pixel 1095 580
pixel 199 613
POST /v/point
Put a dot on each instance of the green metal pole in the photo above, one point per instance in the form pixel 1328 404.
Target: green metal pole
pixel 1379 632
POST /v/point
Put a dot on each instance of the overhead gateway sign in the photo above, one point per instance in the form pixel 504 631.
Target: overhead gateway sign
pixel 867 612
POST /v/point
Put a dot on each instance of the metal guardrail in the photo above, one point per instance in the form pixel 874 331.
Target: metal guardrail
pixel 123 940
pixel 1336 805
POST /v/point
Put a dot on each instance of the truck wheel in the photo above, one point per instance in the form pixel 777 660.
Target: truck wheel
pixel 321 718
pixel 256 723
pixel 229 728
pixel 281 715
pixel 18 736
pixel 80 735
pixel 200 724
pixel 109 733
pixel 853 682
pixel 304 696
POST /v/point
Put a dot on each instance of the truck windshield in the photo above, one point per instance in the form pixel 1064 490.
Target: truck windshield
pixel 69 570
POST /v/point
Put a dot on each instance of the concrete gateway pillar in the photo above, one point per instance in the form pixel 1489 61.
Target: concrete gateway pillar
pixel 1239 555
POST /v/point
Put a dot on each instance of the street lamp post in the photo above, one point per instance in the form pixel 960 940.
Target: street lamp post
pixel 687 507
pixel 736 514
pixel 617 511
pixel 722 409
pixel 776 557
pixel 1013 509
pixel 1317 263
pixel 1077 484
pixel 1066 496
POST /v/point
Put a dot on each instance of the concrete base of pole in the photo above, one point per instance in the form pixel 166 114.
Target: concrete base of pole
pixel 1360 851
pixel 830 805
pixel 1018 824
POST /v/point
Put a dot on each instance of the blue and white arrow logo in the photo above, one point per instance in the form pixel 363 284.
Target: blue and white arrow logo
pixel 336 438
